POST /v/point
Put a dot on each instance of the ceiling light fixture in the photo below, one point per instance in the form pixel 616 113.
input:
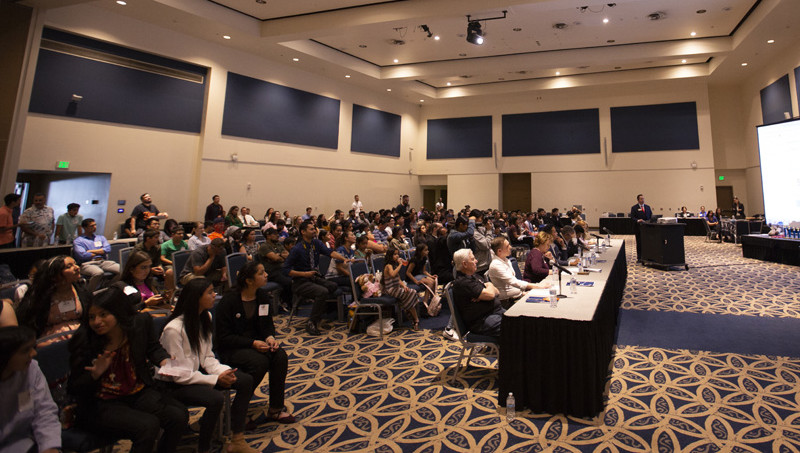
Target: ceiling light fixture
pixel 693 33
pixel 226 37
pixel 261 2
pixel 771 41
pixel 388 89
pixel 448 84
pixel 605 20
pixel 396 60
pixel 295 59
pixel 436 37
pixel 422 100
pixel 474 30
pixel 121 3
pixel 558 72
pixel 744 64
pixel 347 76
pixel 683 61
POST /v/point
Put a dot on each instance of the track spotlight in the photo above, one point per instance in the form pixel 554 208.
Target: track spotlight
pixel 474 33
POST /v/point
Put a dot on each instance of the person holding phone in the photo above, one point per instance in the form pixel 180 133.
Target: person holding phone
pixel 198 376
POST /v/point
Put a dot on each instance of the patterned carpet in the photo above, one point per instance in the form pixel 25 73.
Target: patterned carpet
pixel 356 393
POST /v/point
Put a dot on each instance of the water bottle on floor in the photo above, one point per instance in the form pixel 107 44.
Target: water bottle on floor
pixel 511 407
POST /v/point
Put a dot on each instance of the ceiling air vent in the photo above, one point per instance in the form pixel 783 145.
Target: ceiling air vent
pixel 658 15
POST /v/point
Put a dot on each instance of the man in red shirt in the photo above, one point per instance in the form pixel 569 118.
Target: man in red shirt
pixel 7 227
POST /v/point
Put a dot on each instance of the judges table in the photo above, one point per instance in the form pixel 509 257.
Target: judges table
pixel 20 260
pixel 555 360
pixel 617 225
pixel 695 226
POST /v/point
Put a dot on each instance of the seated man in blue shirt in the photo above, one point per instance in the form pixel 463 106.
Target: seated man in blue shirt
pixel 91 252
pixel 302 265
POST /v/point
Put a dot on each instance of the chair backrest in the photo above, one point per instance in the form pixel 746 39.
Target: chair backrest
pixel 458 324
pixel 357 268
pixel 54 359
pixel 124 254
pixel 179 260
pixel 234 262
pixel 611 214
pixel 324 264
pixel 378 263
pixel 620 214
pixel 159 322
pixel 515 266
pixel 113 255
pixel 409 242
pixel 403 269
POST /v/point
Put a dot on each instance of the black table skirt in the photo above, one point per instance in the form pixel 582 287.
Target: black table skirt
pixel 560 366
pixel 694 227
pixel 777 250
pixel 617 225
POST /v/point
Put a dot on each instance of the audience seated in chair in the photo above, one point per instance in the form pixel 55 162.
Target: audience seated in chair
pixel 301 266
pixel 187 338
pixel 476 301
pixel 245 337
pixel 91 253
pixel 55 301
pixel 501 274
pixel 272 255
pixel 393 286
pixel 153 224
pixel 200 235
pixel 111 356
pixel 140 287
pixel 29 419
pixel 207 261
pixel 537 266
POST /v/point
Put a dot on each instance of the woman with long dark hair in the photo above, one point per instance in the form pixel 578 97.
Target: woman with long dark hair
pixel 249 246
pixel 232 219
pixel 29 418
pixel 187 337
pixel 417 273
pixel 393 286
pixel 112 356
pixel 141 290
pixel 55 302
pixel 245 336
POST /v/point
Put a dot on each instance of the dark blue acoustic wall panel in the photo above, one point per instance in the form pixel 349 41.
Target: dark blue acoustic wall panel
pixel 115 93
pixel 267 111
pixel 776 99
pixel 460 138
pixel 551 133
pixel 375 132
pixel 660 127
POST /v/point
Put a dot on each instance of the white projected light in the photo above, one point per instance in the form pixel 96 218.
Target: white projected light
pixel 779 149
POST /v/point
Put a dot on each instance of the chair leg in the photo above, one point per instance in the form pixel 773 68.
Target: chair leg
pixel 295 303
pixel 458 364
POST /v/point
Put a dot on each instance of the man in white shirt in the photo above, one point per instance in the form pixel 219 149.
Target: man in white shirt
pixel 246 219
pixel 37 223
pixel 357 206
pixel 200 237
pixel 501 274
pixel 439 204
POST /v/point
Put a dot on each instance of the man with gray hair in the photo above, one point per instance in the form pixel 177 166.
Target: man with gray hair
pixel 476 301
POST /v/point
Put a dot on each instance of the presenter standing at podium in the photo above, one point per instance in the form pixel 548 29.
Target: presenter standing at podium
pixel 640 213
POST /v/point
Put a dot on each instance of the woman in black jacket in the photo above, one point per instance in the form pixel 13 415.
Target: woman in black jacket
pixel 112 356
pixel 245 336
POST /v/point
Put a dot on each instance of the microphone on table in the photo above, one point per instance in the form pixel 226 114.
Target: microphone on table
pixel 559 267
pixel 596 235
pixel 607 231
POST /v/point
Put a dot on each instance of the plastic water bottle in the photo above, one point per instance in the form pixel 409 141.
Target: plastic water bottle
pixel 116 236
pixel 553 298
pixel 608 240
pixel 573 285
pixel 580 265
pixel 511 407
pixel 593 259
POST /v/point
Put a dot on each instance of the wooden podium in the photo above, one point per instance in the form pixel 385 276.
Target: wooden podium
pixel 662 245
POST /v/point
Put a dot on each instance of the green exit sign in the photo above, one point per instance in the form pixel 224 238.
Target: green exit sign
pixel 722 178
pixel 62 164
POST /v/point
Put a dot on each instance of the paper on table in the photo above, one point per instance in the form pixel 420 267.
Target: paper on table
pixel 180 368
pixel 592 269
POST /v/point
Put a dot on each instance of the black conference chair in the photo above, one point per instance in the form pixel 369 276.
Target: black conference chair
pixel 371 304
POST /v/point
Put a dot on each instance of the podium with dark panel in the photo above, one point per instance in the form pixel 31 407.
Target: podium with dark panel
pixel 662 245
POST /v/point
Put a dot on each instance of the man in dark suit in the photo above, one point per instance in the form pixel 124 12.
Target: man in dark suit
pixel 640 213
pixel 738 209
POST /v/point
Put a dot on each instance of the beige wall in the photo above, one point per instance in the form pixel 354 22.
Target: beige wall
pixel 182 170
pixel 480 191
pixel 667 177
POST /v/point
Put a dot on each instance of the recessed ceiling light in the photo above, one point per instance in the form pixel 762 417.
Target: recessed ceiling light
pixel 436 38
pixel 120 2
pixel 744 64
pixel 517 29
pixel 771 41
pixel 448 84
pixel 226 37
pixel 558 72
pixel 605 20
pixel 362 46
pixel 694 33
pixel 347 76
pixel 422 100
pixel 396 60
pixel 388 89
pixel 683 61
pixel 295 59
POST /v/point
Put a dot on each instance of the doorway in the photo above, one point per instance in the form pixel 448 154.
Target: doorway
pixel 90 190
pixel 516 191
pixel 725 200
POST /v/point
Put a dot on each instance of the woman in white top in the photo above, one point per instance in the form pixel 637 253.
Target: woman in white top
pixel 187 337
pixel 501 273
